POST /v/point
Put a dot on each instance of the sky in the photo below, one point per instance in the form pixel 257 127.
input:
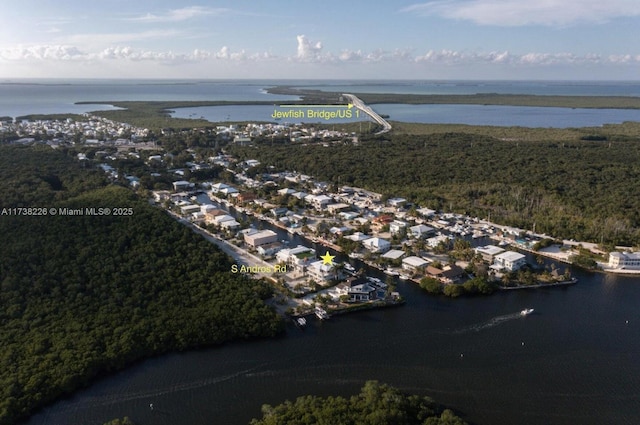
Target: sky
pixel 327 39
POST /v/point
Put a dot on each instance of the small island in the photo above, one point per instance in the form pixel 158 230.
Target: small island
pixel 375 404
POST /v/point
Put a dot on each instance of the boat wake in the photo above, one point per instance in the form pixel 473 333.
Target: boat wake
pixel 108 399
pixel 489 323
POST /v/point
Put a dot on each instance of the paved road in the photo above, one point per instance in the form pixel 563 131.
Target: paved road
pixel 241 256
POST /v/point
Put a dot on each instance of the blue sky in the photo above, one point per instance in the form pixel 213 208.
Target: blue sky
pixel 355 39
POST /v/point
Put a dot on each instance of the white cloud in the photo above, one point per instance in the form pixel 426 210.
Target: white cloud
pixel 311 52
pixel 528 12
pixel 377 55
pixel 42 53
pixel 308 50
pixel 179 15
pixel 452 57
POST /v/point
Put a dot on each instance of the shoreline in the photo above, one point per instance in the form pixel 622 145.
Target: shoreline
pixel 569 282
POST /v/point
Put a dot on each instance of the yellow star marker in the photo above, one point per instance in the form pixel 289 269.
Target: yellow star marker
pixel 327 259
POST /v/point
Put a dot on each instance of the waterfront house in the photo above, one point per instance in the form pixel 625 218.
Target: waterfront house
pixel 357 289
pixel 414 264
pixel 298 257
pixel 624 260
pixel 278 212
pixel 436 240
pixel 488 252
pixel 320 272
pixel 257 238
pixel 508 260
pixel 433 272
pixel 452 274
pixel 361 292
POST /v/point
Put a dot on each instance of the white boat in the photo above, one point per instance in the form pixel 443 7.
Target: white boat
pixel 404 276
pixel 301 321
pixel 321 313
pixel 526 311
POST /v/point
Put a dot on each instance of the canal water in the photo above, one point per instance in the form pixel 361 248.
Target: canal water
pixel 574 360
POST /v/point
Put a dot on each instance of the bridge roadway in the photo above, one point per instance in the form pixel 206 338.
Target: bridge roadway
pixel 367 110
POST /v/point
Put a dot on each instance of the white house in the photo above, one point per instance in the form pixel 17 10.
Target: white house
pixel 229 224
pixel 221 218
pixel 189 209
pixel 396 226
pixel 336 208
pixel 488 252
pixel 297 257
pixel 348 215
pixel 286 191
pixel 509 260
pixel 397 202
pixel 357 237
pixel 436 240
pixel 377 244
pixel 321 201
pixel 426 212
pixel 228 190
pixel 181 185
pixel 320 272
pixel 255 239
pixel 270 249
pixel 420 231
pixel 394 254
pixel 414 263
pixel 624 260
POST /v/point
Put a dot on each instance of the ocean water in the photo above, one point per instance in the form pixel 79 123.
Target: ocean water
pixel 22 97
pixel 495 115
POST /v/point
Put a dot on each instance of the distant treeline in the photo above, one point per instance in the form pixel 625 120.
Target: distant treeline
pixel 615 102
pixel 577 189
pixel 82 296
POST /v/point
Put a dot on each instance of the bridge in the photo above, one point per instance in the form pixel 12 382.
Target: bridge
pixel 355 101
